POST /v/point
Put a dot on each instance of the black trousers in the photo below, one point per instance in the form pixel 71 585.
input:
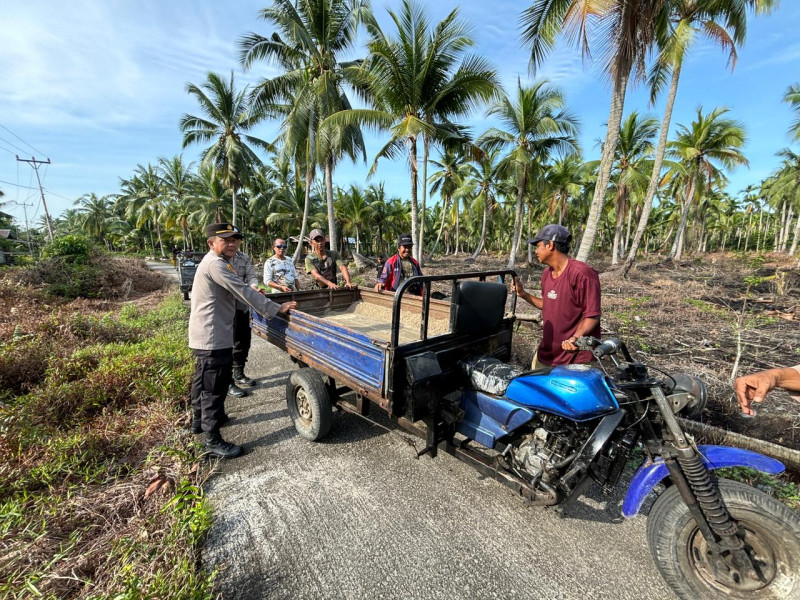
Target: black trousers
pixel 212 376
pixel 242 337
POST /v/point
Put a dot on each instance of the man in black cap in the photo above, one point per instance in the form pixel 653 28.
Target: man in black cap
pixel 322 263
pixel 399 267
pixel 215 290
pixel 570 301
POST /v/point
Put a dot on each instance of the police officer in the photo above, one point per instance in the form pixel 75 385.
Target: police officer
pixel 215 290
pixel 242 336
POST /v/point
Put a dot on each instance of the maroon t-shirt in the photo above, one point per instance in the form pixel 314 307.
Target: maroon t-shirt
pixel 566 301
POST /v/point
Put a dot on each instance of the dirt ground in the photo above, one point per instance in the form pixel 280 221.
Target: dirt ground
pixel 706 317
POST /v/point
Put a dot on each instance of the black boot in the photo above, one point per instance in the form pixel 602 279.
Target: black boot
pixel 218 447
pixel 240 379
pixel 235 391
pixel 194 426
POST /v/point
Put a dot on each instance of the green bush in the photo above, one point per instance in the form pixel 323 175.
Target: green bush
pixel 73 248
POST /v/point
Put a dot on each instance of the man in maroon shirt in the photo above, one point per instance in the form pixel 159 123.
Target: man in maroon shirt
pixel 570 301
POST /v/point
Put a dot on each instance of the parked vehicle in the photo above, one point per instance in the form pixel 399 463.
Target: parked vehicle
pixel 187 265
pixel 545 433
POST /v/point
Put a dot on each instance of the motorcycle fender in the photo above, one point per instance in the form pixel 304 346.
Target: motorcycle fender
pixel 714 457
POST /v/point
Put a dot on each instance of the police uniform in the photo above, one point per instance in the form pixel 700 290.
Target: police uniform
pixel 241 322
pixel 215 290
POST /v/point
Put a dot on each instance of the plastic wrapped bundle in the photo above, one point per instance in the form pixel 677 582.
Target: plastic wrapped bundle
pixel 489 374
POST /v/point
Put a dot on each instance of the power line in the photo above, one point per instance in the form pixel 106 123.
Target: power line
pixel 6 149
pixel 20 139
pixel 27 187
pixel 12 145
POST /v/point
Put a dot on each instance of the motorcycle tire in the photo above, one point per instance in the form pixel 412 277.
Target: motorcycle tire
pixel 770 529
pixel 309 404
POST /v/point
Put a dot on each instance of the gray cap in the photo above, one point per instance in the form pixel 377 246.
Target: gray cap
pixel 552 233
pixel 315 233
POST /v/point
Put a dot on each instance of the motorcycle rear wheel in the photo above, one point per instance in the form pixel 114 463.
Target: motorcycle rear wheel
pixel 771 534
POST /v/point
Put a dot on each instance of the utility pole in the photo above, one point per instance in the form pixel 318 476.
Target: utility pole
pixel 35 164
pixel 27 229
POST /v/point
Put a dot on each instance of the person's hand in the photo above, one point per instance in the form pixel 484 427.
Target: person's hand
pixel 286 307
pixel 350 286
pixel 569 345
pixel 516 286
pixel 286 288
pixel 751 389
pixel 333 286
pixel 379 287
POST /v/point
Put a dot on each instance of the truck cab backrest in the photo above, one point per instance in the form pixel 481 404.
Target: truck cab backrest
pixel 480 307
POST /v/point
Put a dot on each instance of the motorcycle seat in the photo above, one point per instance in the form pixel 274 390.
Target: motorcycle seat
pixel 489 374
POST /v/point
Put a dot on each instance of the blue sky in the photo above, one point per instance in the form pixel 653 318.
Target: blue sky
pixel 99 86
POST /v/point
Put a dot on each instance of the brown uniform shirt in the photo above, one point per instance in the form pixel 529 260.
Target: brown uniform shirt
pixel 215 290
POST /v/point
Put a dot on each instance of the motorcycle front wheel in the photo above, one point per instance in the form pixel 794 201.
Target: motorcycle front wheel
pixel 770 531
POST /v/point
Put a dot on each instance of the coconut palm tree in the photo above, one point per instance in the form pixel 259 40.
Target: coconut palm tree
pixel 632 166
pixel 209 198
pixel 355 210
pixel 792 96
pixel 144 194
pixel 418 81
pixel 178 180
pixel 311 38
pixel 784 189
pixel 447 180
pixel 485 177
pixel 564 183
pixel 536 126
pixel 625 32
pixel 96 215
pixel 710 143
pixel 227 117
pixel 723 23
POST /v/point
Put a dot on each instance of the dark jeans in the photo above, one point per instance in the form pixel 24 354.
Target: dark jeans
pixel 212 376
pixel 242 336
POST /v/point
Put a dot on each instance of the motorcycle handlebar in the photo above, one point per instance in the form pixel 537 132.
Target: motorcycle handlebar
pixel 601 348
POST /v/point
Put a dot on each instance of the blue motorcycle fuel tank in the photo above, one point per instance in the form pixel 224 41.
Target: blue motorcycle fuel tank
pixel 575 392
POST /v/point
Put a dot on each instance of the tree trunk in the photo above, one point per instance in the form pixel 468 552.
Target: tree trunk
pixel 414 203
pixel 793 249
pixel 457 205
pixel 332 233
pixel 233 194
pixel 758 230
pixel 482 241
pixel 421 242
pixel 677 247
pixel 160 243
pixel 606 162
pixel 655 176
pixel 618 228
pixel 446 201
pixel 521 183
pixel 623 251
pixel 530 235
pixel 306 204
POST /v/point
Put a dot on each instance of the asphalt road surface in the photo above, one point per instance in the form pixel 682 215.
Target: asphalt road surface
pixel 359 516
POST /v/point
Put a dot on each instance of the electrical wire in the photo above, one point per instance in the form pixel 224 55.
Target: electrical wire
pixel 20 139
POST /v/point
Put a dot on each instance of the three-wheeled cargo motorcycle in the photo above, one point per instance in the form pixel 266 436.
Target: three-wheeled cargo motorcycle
pixel 440 369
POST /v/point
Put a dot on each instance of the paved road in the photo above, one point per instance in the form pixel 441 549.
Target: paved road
pixel 358 516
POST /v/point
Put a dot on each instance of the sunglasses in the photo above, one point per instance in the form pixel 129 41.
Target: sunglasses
pixel 281 246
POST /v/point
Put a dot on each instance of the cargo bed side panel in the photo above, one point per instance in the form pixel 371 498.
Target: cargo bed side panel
pixel 349 357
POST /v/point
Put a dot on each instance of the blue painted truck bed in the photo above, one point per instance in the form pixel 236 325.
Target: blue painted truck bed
pixel 363 356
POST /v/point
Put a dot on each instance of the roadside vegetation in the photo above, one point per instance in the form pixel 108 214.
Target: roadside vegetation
pixel 99 487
